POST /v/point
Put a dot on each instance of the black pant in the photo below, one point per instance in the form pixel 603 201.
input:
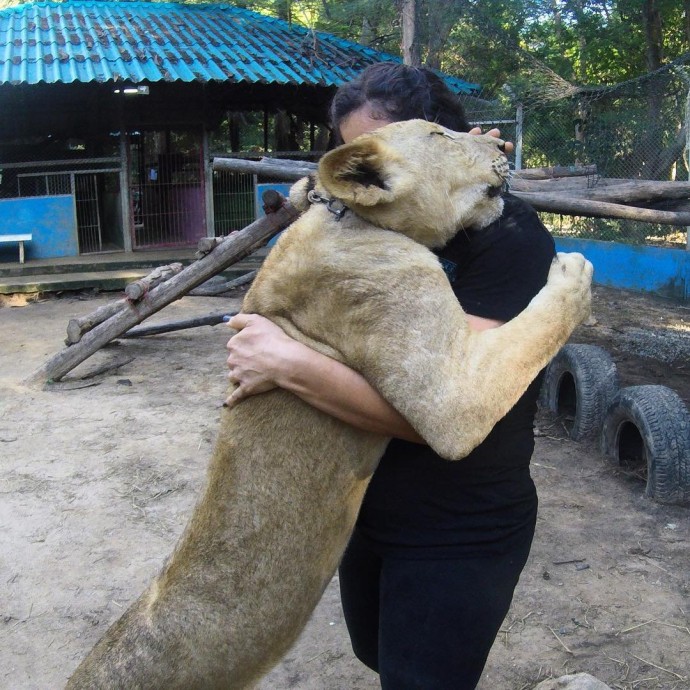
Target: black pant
pixel 427 624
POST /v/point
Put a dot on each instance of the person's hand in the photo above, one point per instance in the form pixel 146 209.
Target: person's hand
pixel 494 133
pixel 255 355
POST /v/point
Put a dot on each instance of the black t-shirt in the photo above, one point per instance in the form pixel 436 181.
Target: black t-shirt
pixel 420 505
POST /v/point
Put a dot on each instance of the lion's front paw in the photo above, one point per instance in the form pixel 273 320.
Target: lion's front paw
pixel 571 276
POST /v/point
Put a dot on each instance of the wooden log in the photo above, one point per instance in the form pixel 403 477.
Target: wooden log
pixel 183 324
pixel 139 288
pixel 613 190
pixel 208 244
pixel 272 200
pixel 572 206
pixel 78 326
pixel 555 171
pixel 282 169
pixel 210 289
pixel 675 205
pixel 234 248
pixel 289 162
pixel 556 185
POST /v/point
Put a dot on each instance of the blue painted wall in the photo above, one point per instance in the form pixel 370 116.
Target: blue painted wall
pixel 631 267
pixel 50 219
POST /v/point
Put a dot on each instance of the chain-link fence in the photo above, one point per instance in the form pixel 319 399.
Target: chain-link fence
pixel 636 130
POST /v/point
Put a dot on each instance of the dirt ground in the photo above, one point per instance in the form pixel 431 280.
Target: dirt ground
pixel 96 484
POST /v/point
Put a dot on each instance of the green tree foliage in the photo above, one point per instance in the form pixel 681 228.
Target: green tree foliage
pixel 536 52
pixel 589 42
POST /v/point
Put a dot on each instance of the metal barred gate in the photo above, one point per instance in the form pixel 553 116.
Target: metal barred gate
pixel 96 203
pixel 166 188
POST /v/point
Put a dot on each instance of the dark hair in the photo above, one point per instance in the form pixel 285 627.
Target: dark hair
pixel 399 92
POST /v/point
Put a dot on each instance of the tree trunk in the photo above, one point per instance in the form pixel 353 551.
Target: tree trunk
pixel 410 41
pixel 653 35
pixel 557 21
pixel 650 143
pixel 366 34
pixel 662 163
pixel 284 10
pixel 285 132
pixel 578 9
pixel 234 131
pixel 443 15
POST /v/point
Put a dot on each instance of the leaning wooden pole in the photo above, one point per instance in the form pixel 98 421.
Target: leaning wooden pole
pixel 576 206
pixel 234 248
pixel 134 291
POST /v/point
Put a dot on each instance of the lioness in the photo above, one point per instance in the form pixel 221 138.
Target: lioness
pixel 353 278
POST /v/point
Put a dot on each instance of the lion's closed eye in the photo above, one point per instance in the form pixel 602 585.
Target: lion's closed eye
pixel 500 144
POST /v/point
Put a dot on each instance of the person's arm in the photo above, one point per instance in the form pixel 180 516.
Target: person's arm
pixel 262 357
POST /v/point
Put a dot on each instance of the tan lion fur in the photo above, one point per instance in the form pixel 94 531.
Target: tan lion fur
pixel 286 481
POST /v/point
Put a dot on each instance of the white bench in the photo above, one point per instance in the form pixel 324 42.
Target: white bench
pixel 24 237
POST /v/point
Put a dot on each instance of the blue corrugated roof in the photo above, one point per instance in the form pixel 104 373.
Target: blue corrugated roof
pixel 91 41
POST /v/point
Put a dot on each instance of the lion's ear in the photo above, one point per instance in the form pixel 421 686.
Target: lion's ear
pixel 366 172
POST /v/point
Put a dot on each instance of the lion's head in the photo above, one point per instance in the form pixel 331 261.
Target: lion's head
pixel 419 179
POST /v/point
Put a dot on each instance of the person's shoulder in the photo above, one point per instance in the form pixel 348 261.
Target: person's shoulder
pixel 518 211
pixel 520 224
pixel 518 232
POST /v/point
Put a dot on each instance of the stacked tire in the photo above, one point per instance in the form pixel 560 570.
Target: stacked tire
pixel 579 384
pixel 639 427
pixel 649 427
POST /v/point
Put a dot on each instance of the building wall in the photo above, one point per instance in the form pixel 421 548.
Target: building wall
pixel 51 220
pixel 665 272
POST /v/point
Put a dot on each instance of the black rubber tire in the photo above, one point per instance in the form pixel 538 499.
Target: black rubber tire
pixel 579 385
pixel 650 426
